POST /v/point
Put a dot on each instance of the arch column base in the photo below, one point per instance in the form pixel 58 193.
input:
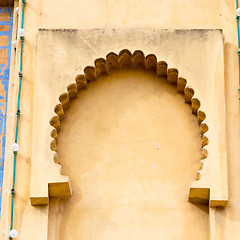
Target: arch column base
pixel 199 195
pixel 57 189
pixel 206 195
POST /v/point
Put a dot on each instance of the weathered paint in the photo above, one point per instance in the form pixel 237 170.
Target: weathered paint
pixel 107 14
pixel 5 58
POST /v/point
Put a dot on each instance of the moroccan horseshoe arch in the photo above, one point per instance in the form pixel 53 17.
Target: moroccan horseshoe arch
pixel 137 60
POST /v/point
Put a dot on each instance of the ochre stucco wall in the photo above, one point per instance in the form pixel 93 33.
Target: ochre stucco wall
pixel 130 147
pixel 122 14
pixel 70 47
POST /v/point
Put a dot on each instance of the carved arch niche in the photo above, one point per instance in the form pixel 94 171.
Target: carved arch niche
pixel 201 191
pixel 210 186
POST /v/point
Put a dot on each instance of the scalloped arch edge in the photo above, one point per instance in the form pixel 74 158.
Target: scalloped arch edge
pixel 113 62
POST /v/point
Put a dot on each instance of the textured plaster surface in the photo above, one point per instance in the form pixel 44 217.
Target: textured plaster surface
pixel 64 45
pixel 130 146
pixel 5 55
pixel 208 85
pixel 121 14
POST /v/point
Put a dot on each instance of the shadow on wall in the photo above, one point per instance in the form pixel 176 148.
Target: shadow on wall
pixel 131 147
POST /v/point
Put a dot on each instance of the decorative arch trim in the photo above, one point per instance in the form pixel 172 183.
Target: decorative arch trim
pixel 199 192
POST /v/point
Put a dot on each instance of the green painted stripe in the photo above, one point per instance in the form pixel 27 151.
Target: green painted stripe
pixel 238 46
pixel 17 123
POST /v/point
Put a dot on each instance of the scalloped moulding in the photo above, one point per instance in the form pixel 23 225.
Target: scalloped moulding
pixel 210 186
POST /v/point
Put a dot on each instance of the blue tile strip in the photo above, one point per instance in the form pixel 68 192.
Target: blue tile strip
pixel 5 82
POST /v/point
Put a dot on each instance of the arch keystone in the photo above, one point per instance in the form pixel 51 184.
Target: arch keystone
pixel 138 59
pixel 125 59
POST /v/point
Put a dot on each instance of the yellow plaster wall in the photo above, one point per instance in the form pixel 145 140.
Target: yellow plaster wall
pixel 47 90
pixel 130 14
pixel 130 146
